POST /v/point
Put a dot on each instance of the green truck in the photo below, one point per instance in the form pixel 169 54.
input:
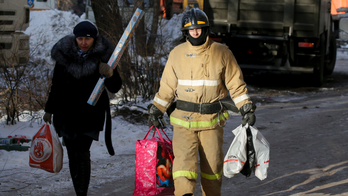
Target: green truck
pixel 276 35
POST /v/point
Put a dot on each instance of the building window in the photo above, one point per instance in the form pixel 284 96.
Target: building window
pixel 6 22
pixel 22 60
pixel 23 44
pixel 7 13
pixel 5 46
pixel 27 15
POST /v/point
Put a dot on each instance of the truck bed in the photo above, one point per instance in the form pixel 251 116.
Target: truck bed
pixel 302 18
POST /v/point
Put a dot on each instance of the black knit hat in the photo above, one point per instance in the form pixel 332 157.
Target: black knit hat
pixel 85 29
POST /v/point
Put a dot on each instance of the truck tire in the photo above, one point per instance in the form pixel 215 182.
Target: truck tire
pixel 319 63
pixel 330 59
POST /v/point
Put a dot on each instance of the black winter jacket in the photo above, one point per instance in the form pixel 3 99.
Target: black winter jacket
pixel 74 79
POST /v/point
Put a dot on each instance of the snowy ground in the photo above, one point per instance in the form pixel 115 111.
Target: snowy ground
pixel 16 174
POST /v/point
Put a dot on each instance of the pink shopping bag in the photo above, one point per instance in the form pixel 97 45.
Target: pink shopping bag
pixel 153 166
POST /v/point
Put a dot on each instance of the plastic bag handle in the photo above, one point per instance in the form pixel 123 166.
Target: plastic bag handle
pixel 147 134
pixel 42 127
pixel 169 154
pixel 165 134
pixel 161 138
pixel 159 133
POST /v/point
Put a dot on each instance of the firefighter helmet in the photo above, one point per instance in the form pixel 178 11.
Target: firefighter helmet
pixel 194 18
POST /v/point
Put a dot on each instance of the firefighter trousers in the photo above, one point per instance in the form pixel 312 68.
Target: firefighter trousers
pixel 187 147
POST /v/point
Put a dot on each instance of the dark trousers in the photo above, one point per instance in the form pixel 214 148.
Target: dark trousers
pixel 79 162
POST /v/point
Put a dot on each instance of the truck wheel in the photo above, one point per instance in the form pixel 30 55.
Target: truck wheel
pixel 319 63
pixel 330 59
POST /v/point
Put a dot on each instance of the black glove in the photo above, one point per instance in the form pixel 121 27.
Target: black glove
pixel 155 116
pixel 47 117
pixel 247 111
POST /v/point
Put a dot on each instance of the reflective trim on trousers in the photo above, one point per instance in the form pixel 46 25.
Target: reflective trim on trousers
pixel 188 125
pixel 183 173
pixel 211 177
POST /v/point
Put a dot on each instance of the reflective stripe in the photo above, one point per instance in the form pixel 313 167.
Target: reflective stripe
pixel 241 98
pixel 188 24
pixel 198 82
pixel 198 22
pixel 161 102
pixel 185 174
pixel 211 177
pixel 193 124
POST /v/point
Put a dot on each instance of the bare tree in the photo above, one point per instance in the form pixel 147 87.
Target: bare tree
pixel 11 77
pixel 139 76
pixel 140 33
pixel 150 45
pixel 26 88
pixel 146 46
pixel 110 24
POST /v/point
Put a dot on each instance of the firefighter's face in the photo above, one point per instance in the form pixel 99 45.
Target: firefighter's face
pixel 195 33
pixel 84 43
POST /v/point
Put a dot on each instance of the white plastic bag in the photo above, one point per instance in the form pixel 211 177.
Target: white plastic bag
pixel 46 151
pixel 262 150
pixel 236 155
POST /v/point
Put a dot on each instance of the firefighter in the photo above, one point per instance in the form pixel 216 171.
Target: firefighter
pixel 199 74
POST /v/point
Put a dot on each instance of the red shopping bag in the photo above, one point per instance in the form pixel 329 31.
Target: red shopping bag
pixel 153 166
pixel 46 151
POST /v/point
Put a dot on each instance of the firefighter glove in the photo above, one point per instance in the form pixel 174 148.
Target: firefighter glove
pixel 105 70
pixel 47 117
pixel 155 116
pixel 247 111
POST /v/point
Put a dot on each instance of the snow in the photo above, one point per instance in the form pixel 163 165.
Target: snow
pixel 45 29
pixel 15 164
pixel 342 54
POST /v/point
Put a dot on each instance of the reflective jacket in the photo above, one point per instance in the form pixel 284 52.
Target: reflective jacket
pixel 200 74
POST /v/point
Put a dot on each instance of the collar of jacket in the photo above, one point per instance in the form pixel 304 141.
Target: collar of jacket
pixel 65 53
pixel 199 49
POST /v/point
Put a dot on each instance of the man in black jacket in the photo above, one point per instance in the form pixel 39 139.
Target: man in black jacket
pixel 80 61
